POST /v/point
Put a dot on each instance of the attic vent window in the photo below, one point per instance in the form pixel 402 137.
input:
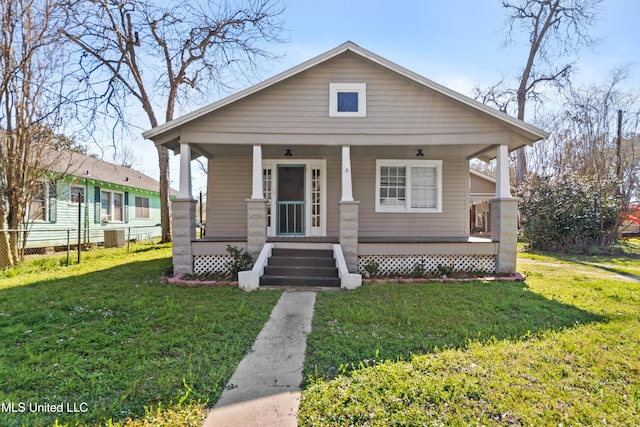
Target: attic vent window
pixel 347 100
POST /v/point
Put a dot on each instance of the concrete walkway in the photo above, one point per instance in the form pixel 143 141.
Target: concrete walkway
pixel 265 388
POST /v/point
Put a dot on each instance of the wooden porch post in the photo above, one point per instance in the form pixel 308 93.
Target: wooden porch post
pixel 257 192
pixel 185 172
pixel 183 211
pixel 503 185
pixel 347 189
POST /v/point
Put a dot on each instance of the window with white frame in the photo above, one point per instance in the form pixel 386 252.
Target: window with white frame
pixel 43 203
pixel 38 205
pixel 347 100
pixel 142 207
pixel 76 195
pixel 111 206
pixel 408 186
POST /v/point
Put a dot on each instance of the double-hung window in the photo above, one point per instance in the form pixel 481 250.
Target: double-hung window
pixel 43 204
pixel 76 195
pixel 111 206
pixel 408 186
pixel 142 207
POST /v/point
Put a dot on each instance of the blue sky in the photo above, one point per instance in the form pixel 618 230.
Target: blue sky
pixel 451 45
pixel 457 44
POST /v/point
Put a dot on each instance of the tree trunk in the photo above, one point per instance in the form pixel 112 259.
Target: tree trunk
pixel 165 192
pixel 6 258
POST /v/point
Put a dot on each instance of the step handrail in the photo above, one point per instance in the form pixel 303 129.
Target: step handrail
pixel 250 280
pixel 347 280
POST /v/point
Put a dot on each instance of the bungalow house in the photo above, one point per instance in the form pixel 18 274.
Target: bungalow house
pixel 350 153
pixel 101 196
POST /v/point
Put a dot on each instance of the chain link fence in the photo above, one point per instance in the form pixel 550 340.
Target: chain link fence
pixel 16 245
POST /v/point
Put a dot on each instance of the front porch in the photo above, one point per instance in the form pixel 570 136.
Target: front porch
pixel 359 236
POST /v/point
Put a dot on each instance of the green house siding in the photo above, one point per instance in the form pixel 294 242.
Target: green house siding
pixel 63 213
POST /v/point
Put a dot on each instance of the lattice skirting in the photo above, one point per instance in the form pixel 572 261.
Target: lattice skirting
pixel 390 265
pixel 210 263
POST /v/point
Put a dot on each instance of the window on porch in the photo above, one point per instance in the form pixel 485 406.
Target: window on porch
pixel 408 186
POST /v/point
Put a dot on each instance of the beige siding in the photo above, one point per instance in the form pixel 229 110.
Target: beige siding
pixel 334 190
pixel 479 185
pixel 299 106
pixel 229 185
pixel 452 222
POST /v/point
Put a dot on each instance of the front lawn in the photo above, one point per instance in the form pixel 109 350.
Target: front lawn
pixel 561 349
pixel 109 340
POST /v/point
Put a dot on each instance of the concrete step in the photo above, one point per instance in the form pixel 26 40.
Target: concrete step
pixel 315 253
pixel 296 270
pixel 301 261
pixel 299 281
pixel 301 267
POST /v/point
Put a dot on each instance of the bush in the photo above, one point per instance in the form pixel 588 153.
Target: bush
pixel 568 213
pixel 241 260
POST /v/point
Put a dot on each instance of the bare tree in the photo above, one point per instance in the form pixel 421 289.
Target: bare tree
pixel 138 52
pixel 556 30
pixel 30 108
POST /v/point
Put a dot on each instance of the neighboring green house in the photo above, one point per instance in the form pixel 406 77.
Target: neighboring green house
pixel 96 196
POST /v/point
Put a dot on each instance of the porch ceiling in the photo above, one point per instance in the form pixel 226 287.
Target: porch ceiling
pixel 482 151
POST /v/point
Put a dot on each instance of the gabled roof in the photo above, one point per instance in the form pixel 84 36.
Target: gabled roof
pixel 93 169
pixel 526 131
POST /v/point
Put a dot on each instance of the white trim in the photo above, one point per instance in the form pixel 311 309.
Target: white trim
pixel 408 164
pixel 309 165
pixel 336 88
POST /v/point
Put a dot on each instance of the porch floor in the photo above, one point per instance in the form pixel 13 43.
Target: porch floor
pixel 362 239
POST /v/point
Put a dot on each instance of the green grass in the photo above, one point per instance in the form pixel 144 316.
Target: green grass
pixel 562 349
pixel 111 338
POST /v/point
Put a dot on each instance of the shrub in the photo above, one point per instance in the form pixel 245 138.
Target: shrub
pixel 568 213
pixel 241 260
pixel 372 268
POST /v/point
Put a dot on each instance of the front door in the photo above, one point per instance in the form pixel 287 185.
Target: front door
pixel 290 203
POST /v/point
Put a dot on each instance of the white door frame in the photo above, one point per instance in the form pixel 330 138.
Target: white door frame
pixel 310 166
